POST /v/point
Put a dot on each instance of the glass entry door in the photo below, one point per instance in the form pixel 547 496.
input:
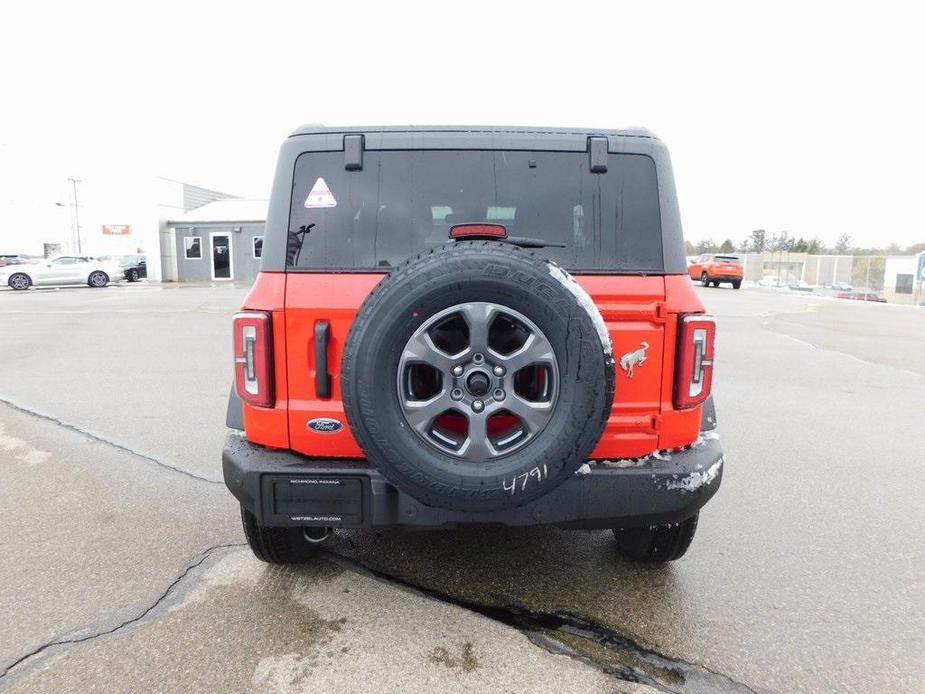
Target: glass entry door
pixel 221 256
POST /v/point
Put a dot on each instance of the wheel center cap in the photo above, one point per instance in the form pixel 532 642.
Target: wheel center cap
pixel 478 383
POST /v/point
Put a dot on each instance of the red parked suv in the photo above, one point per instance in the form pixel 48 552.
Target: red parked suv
pixel 459 325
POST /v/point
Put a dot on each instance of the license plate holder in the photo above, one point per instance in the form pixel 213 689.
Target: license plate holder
pixel 313 500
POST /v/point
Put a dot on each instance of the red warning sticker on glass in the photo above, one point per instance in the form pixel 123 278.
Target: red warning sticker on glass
pixel 320 195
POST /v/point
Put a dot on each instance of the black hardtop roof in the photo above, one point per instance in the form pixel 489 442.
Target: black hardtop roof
pixel 318 129
pixel 314 138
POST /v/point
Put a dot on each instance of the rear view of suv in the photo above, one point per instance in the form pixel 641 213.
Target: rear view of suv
pixel 472 325
pixel 713 269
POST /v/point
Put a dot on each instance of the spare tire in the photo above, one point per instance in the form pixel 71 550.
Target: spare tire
pixel 478 376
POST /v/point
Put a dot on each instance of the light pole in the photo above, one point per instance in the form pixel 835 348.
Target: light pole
pixel 74 182
pixel 70 221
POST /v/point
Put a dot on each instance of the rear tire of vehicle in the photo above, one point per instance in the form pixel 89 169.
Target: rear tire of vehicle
pixel 736 285
pixel 516 280
pixel 19 281
pixel 133 275
pixel 656 544
pixel 275 545
pixel 98 279
pixel 704 280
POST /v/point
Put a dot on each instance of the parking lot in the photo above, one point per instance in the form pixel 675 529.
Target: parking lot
pixel 124 566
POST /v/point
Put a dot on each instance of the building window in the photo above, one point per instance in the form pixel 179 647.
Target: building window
pixel 193 247
pixel 258 246
pixel 903 284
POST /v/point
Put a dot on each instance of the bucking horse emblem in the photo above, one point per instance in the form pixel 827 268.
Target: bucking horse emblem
pixel 630 360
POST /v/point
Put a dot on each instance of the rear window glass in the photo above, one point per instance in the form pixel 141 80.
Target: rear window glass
pixel 404 202
pixel 727 259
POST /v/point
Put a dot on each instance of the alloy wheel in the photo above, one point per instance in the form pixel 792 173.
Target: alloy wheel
pixel 478 381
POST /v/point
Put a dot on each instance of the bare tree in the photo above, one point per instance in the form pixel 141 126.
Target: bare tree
pixel 843 243
pixel 758 241
pixel 707 246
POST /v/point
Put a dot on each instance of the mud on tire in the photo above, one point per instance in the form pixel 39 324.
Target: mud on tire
pixel 521 284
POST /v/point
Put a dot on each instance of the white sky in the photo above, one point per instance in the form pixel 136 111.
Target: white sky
pixel 808 118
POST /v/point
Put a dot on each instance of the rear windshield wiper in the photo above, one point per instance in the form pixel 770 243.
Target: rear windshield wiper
pixel 527 242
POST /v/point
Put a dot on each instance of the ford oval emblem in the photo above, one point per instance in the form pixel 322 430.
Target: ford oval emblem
pixel 325 425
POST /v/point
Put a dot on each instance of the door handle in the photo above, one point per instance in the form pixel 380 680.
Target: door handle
pixel 322 375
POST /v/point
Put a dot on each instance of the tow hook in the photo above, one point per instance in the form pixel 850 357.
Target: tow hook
pixel 315 536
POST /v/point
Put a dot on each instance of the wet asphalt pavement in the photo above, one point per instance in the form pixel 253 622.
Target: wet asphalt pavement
pixel 123 566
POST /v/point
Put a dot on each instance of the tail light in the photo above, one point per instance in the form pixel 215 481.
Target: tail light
pixel 253 358
pixel 694 371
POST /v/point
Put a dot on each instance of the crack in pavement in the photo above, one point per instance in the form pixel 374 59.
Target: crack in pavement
pixel 69 641
pixel 632 661
pixel 99 439
pixel 645 664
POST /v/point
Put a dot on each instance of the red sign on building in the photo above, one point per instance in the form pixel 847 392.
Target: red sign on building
pixel 117 230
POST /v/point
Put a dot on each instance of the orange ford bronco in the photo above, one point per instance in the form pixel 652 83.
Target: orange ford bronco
pixel 471 325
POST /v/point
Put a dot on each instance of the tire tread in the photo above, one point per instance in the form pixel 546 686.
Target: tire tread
pixel 274 545
pixel 658 544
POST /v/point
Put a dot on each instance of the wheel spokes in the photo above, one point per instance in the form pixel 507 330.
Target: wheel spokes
pixel 476 361
pixel 477 445
pixel 421 348
pixel 422 413
pixel 533 415
pixel 478 317
pixel 535 350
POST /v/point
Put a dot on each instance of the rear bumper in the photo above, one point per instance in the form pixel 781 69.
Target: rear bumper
pixel 282 488
pixel 726 278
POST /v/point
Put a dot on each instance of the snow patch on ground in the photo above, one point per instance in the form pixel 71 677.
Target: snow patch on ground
pixel 585 469
pixel 586 302
pixel 696 480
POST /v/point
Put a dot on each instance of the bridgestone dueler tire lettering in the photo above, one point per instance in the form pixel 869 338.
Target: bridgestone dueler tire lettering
pixel 488 272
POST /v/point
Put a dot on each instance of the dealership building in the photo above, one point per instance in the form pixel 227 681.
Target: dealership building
pixel 114 215
pixel 188 233
pixel 904 279
pixel 222 240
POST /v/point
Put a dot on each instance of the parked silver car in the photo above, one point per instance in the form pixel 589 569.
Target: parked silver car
pixel 62 270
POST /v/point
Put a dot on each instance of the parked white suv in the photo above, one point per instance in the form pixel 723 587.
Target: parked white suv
pixel 62 270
